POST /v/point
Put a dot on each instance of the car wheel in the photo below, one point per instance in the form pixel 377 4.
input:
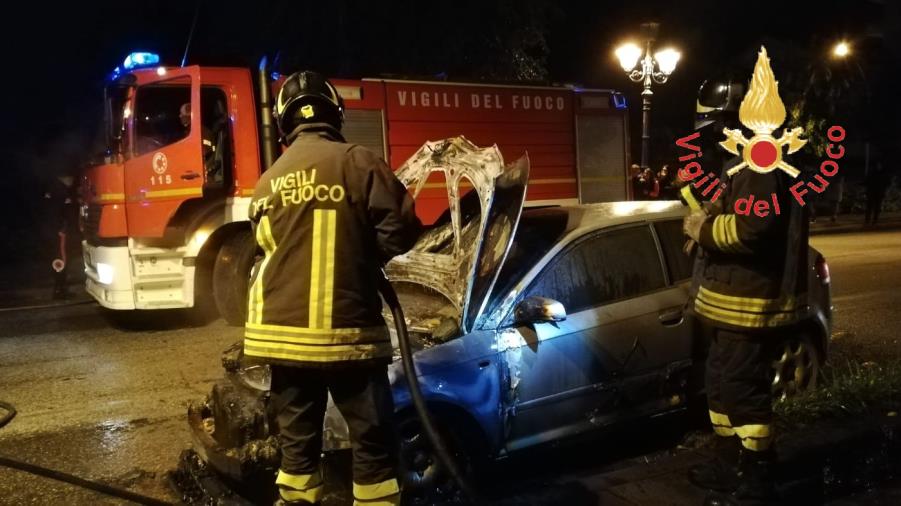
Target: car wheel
pixel 796 367
pixel 425 479
pixel 231 274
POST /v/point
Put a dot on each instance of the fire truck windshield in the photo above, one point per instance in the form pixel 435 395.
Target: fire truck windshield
pixel 115 96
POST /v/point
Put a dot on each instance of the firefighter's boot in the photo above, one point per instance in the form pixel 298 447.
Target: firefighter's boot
pixel 282 502
pixel 721 472
pixel 755 482
pixel 298 489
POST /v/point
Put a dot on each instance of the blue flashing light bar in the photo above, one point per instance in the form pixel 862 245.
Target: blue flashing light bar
pixel 140 59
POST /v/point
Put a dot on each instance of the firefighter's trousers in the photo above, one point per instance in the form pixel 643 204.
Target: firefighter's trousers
pixel 738 381
pixel 363 395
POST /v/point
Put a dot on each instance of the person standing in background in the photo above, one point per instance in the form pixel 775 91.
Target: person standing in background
pixel 651 185
pixel 666 181
pixel 61 204
pixel 877 183
pixel 635 181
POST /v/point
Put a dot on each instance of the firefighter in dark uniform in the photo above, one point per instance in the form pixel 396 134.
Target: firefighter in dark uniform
pixel 327 215
pixel 746 294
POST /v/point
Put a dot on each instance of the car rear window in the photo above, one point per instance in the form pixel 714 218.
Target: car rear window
pixel 672 241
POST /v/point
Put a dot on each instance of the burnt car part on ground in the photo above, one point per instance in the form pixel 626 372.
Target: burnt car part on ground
pixel 484 291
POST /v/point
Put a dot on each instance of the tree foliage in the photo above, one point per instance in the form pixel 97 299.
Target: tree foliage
pixel 494 40
pixel 820 91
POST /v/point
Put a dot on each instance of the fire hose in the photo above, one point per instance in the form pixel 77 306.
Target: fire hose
pixel 419 403
pixel 53 474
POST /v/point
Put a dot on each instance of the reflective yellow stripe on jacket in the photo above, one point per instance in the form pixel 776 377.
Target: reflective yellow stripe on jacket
pixel 745 311
pixel 255 294
pixel 318 342
pixel 690 198
pixel 323 269
pixel 725 234
pixel 316 345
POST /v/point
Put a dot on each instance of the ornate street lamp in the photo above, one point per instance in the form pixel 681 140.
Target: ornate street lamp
pixel 656 69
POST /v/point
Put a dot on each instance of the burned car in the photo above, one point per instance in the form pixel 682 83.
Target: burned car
pixel 530 326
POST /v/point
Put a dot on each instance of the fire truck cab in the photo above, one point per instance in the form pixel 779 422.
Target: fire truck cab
pixel 165 214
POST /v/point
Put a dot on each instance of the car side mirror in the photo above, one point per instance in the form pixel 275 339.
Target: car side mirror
pixel 539 310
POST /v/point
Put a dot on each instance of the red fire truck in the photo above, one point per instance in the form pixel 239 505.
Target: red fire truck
pixel 165 214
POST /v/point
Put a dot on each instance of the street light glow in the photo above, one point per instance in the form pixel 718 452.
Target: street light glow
pixel 628 55
pixel 667 60
pixel 650 70
pixel 841 49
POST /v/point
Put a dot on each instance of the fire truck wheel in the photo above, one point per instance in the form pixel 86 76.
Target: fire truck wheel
pixel 231 274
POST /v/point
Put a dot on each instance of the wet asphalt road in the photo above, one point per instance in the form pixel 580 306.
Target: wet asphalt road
pixel 866 292
pixel 109 403
pixel 100 402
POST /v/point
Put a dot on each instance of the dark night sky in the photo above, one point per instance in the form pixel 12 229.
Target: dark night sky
pixel 56 55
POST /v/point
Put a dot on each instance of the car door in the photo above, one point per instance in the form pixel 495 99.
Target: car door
pixel 681 342
pixel 165 162
pixel 569 377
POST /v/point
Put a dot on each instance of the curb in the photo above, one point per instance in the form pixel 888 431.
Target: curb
pixel 856 227
pixel 48 305
pixel 35 297
pixel 837 458
pixel 827 461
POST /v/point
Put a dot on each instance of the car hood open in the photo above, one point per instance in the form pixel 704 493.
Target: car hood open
pixel 461 255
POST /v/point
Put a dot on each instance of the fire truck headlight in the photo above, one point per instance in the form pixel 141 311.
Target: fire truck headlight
pixel 105 273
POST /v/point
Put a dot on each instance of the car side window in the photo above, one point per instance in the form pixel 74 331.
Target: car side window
pixel 602 268
pixel 672 241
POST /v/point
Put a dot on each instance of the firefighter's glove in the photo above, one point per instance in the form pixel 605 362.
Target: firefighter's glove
pixel 712 208
pixel 691 225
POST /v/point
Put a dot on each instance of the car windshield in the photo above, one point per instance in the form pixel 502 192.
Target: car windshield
pixel 538 231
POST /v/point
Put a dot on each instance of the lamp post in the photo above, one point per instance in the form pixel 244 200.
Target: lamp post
pixel 656 69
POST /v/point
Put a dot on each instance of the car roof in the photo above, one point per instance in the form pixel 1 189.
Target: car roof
pixel 606 214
